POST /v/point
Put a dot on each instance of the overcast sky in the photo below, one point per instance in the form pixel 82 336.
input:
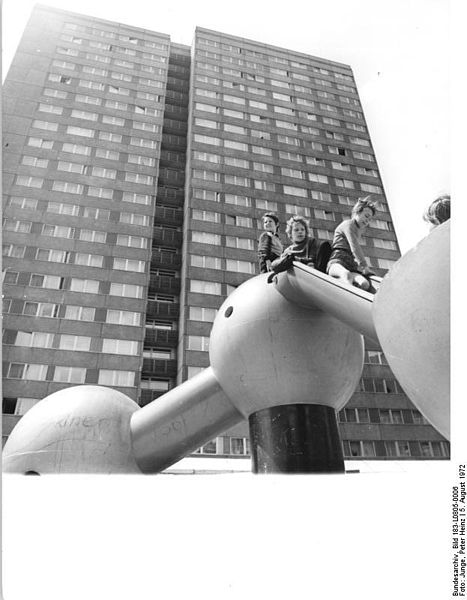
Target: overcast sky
pixel 398 50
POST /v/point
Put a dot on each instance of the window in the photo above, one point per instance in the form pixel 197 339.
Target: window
pixel 34 339
pixel 292 209
pixel 79 343
pixel 206 175
pixel 204 139
pixel 132 241
pixel 295 191
pixel 139 178
pixel 238 200
pixel 198 342
pixel 240 266
pixel 103 172
pixel 55 93
pixel 46 281
pixel 266 204
pixel 34 161
pixel 263 167
pixel 108 136
pixel 69 374
pixel 82 114
pixel 33 182
pixel 123 317
pixel 70 167
pixel 238 242
pixel 76 149
pixel 137 159
pixel 98 192
pixel 198 313
pixel 385 263
pixel 79 313
pixel 91 235
pixel 206 262
pixel 238 221
pixel 205 287
pixel 111 120
pixel 58 256
pixel 45 125
pixel 96 213
pixel 89 286
pixel 89 260
pixel 13 251
pixel 205 215
pixel 203 237
pixel 40 309
pixel 118 346
pixel 134 219
pixel 286 171
pixel 17 226
pixel 35 372
pixel 324 214
pixel 126 290
pixel 373 189
pixel 80 131
pixel 144 199
pixel 385 244
pixel 347 183
pixel 88 100
pixel 359 141
pixel 40 143
pixel 129 264
pixel 117 378
pixel 235 145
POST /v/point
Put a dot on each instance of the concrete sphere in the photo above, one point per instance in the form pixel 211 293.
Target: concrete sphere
pixel 412 319
pixel 82 429
pixel 266 351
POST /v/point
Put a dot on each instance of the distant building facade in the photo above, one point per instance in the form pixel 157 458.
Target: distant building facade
pixel 136 172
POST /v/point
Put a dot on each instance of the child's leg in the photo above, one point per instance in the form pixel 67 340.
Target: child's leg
pixel 360 281
pixel 338 271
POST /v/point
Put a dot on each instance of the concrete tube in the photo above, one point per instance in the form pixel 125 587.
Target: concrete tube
pixel 179 422
pixel 312 289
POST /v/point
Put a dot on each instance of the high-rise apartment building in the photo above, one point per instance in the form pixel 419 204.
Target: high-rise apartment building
pixel 136 172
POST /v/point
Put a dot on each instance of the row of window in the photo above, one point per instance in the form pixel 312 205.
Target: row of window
pixel 289 125
pixel 115 59
pixel 293 89
pixel 90 212
pixel 138 108
pixel 74 312
pixel 259 77
pixel 79 343
pixel 394 449
pixel 105 136
pixel 98 117
pixel 234 50
pixel 300 113
pixel 98 86
pixel 70 167
pixel 387 416
pixel 111 34
pixel 225 445
pixel 94 192
pixel 86 235
pixel 301 192
pixel 62 374
pixel 77 258
pixel 74 284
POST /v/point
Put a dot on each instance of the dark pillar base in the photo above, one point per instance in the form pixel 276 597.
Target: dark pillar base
pixel 295 438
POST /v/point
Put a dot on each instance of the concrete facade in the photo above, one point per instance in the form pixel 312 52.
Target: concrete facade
pixel 136 172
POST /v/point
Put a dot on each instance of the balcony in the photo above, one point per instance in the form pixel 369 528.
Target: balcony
pixel 164 259
pixel 155 367
pixel 167 237
pixel 162 309
pixel 160 337
pixel 163 284
pixel 168 216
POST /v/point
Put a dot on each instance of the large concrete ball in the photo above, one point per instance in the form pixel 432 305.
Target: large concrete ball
pixel 412 318
pixel 266 351
pixel 82 429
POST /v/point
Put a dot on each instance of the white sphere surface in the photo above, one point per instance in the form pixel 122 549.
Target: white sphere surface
pixel 266 351
pixel 80 429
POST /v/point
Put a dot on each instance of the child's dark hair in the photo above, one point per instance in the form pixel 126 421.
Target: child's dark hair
pixel 297 219
pixel 439 210
pixel 363 203
pixel 272 216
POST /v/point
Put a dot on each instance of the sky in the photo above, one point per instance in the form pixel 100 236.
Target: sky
pixel 398 50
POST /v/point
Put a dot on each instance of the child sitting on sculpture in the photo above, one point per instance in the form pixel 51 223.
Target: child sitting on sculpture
pixel 304 248
pixel 269 244
pixel 347 261
pixel 439 211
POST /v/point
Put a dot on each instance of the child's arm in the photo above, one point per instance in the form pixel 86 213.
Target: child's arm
pixel 350 231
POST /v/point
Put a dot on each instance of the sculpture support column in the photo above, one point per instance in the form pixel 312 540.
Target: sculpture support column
pixel 295 438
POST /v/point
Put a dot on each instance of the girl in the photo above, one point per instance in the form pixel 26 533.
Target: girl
pixel 303 249
pixel 269 245
pixel 439 211
pixel 347 261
